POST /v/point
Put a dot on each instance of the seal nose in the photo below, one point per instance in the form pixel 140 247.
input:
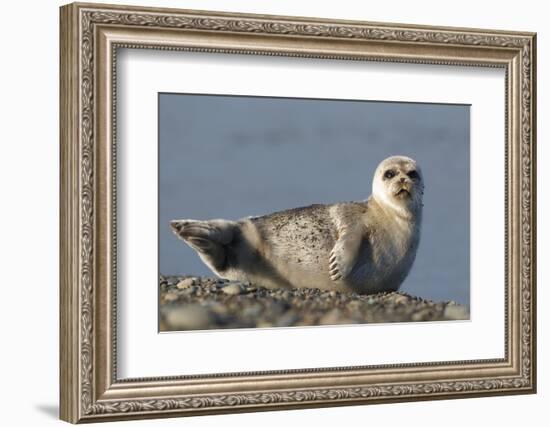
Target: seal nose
pixel 402 180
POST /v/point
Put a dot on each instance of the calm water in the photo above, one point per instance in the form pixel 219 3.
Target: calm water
pixel 230 157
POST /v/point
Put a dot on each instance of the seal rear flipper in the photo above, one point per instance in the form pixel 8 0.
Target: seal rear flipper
pixel 209 238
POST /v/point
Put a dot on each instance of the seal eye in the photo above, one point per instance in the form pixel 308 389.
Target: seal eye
pixel 389 174
pixel 413 175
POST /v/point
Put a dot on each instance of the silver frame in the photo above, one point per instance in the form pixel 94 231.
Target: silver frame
pixel 90 37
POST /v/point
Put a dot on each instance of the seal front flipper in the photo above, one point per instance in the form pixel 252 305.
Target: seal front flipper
pixel 209 238
pixel 350 231
pixel 344 254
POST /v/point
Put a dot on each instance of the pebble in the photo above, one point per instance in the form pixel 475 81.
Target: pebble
pixel 333 317
pixel 170 297
pixel 233 289
pixel 288 319
pixel 456 312
pixel 188 317
pixel 190 291
pixel 355 305
pixel 217 307
pixel 185 283
pixel 264 324
pixel 254 311
pixel 400 299
pixel 421 315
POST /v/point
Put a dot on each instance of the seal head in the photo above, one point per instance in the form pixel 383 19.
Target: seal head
pixel 398 183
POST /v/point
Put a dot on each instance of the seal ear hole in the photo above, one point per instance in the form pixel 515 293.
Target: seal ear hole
pixel 389 174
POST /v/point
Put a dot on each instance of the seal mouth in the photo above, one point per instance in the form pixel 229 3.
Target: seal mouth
pixel 403 193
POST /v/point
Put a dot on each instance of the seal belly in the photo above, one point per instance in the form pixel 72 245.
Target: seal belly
pixel 297 244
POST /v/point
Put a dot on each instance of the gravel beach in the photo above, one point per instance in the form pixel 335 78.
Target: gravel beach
pixel 198 303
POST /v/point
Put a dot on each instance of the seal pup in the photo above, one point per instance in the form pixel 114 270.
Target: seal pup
pixel 364 247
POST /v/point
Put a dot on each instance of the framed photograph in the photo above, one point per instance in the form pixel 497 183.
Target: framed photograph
pixel 266 212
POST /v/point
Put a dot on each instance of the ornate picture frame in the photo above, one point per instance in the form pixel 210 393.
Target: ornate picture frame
pixel 90 37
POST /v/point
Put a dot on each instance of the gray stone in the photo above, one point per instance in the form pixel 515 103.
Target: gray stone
pixel 217 307
pixel 253 311
pixel 187 317
pixel 288 319
pixel 425 314
pixel 333 317
pixel 185 283
pixel 170 297
pixel 456 312
pixel 354 305
pixel 400 299
pixel 233 289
